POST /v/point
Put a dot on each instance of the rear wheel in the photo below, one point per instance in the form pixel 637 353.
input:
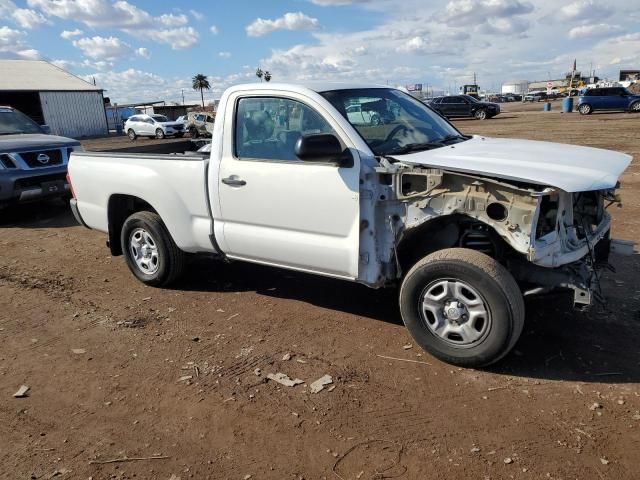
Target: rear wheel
pixel 635 107
pixel 463 307
pixel 585 109
pixel 376 120
pixel 193 131
pixel 159 133
pixel 480 114
pixel 131 134
pixel 150 252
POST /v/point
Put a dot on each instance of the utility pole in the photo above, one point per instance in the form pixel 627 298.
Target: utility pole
pixel 183 96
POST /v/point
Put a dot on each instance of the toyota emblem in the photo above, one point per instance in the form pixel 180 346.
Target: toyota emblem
pixel 43 158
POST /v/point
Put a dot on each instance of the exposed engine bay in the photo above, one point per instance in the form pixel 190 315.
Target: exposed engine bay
pixel 546 237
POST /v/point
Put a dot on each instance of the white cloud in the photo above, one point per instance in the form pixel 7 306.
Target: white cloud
pixel 474 12
pixel 171 20
pixel 585 10
pixel 27 18
pixel 68 34
pixel 197 15
pixel 224 54
pixel 23 17
pixel 178 38
pixel 413 45
pixel 143 52
pixel 213 29
pixel 124 16
pixel 103 48
pixel 289 21
pixel 12 45
pixel 599 30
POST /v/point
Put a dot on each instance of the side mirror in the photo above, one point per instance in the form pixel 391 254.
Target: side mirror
pixel 322 147
pixel 46 129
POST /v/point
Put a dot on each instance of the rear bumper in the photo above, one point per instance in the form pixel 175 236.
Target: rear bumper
pixel 23 186
pixel 76 212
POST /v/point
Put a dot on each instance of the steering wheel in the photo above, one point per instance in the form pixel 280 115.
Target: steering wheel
pixel 397 129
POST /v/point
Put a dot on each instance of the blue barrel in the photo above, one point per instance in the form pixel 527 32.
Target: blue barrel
pixel 547 106
pixel 567 105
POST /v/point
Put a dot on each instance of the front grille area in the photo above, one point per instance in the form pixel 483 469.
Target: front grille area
pixel 23 183
pixel 177 127
pixel 31 158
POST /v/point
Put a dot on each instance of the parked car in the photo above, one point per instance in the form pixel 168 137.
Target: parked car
pixel 609 98
pixel 182 119
pixel 33 163
pixel 200 124
pixel 157 126
pixel 464 106
pixel 535 97
pixel 365 115
pixel 466 225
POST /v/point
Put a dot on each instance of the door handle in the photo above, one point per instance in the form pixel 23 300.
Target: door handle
pixel 234 181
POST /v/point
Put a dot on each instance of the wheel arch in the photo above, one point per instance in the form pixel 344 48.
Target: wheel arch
pixel 119 208
pixel 456 230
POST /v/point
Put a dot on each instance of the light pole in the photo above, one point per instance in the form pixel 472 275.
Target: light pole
pixel 183 96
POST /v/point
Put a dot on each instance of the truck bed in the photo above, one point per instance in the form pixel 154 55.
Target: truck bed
pixel 174 185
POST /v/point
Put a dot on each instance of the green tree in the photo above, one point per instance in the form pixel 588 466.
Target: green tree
pixel 259 73
pixel 267 75
pixel 201 82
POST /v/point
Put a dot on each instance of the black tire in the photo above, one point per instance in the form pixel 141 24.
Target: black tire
pixel 160 133
pixel 376 120
pixel 635 107
pixel 585 109
pixel 480 114
pixel 171 260
pixel 180 135
pixel 497 290
pixel 131 134
pixel 194 132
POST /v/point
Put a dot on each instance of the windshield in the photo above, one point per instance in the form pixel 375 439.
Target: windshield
pixel 13 121
pixel 160 118
pixel 391 121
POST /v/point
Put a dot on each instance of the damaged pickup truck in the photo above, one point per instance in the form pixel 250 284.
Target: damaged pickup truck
pixel 465 225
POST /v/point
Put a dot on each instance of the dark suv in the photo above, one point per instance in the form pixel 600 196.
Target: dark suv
pixel 610 98
pixel 464 106
pixel 33 163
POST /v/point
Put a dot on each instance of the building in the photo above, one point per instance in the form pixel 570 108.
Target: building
pixel 517 87
pixel 51 96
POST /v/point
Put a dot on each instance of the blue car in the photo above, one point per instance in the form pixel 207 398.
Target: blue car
pixel 610 98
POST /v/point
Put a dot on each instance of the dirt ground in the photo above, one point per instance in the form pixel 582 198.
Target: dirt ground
pixel 169 378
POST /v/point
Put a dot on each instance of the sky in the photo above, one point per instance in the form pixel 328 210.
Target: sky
pixel 147 50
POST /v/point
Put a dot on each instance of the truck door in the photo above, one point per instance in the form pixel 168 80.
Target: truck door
pixel 276 209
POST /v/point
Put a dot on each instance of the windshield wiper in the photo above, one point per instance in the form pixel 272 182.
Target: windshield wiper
pixel 448 138
pixel 414 147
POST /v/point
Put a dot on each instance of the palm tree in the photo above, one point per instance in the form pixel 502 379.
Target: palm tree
pixel 201 82
pixel 259 73
pixel 267 76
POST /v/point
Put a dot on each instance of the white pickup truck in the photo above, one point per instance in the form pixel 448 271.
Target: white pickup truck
pixel 465 225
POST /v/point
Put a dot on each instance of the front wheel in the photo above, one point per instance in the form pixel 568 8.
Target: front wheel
pixel 463 307
pixel 159 133
pixel 131 134
pixel 150 252
pixel 480 114
pixel 635 107
pixel 585 109
pixel 194 132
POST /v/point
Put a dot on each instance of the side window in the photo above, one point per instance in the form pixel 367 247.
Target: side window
pixel 449 100
pixel 268 127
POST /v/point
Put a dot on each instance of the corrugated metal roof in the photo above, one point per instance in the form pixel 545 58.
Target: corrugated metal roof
pixel 39 75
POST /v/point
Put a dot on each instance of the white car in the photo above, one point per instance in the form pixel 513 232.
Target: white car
pixel 157 126
pixel 358 116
